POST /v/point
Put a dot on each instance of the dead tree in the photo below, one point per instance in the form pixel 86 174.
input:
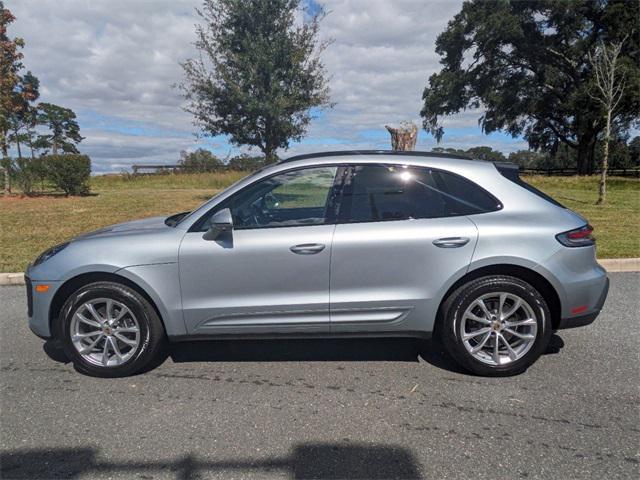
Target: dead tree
pixel 404 137
pixel 609 89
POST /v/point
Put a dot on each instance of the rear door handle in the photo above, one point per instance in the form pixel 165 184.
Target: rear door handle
pixel 451 242
pixel 307 248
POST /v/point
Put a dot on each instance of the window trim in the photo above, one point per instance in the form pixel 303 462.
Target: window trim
pixel 332 202
pixel 349 167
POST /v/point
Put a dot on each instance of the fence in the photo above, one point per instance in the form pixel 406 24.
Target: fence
pixel 141 169
pixel 566 172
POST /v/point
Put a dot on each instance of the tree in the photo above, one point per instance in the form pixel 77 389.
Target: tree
pixel 258 75
pixel 452 151
pixel 486 153
pixel 609 90
pixel 23 118
pixel 246 163
pixel 64 130
pixel 527 158
pixel 634 151
pixel 10 66
pixel 200 161
pixel 526 64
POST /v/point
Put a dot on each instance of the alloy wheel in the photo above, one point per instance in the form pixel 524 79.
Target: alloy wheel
pixel 105 332
pixel 498 328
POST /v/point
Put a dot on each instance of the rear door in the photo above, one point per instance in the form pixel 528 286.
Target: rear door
pixel 401 235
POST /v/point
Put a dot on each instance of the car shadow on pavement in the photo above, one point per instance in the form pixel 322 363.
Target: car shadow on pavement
pixel 296 350
pixel 306 461
pixel 306 350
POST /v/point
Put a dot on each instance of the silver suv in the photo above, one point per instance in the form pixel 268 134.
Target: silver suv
pixel 364 243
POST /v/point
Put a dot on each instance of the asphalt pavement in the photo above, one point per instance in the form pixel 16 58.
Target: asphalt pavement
pixel 366 409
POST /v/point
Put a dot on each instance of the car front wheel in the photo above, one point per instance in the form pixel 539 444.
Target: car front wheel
pixel 496 325
pixel 110 330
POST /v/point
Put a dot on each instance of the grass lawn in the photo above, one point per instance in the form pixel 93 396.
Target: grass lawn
pixel 30 225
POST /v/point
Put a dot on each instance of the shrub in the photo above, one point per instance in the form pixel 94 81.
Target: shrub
pixel 245 162
pixel 200 161
pixel 69 173
pixel 26 173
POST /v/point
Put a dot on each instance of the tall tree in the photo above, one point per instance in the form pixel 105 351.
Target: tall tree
pixel 609 90
pixel 10 66
pixel 525 62
pixel 258 74
pixel 64 131
pixel 23 118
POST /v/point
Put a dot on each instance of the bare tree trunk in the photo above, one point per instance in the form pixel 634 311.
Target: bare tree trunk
pixel 18 144
pixel 404 137
pixel 7 180
pixel 33 155
pixel 602 192
pixel 6 168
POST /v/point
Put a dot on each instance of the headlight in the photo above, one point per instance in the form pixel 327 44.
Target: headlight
pixel 47 254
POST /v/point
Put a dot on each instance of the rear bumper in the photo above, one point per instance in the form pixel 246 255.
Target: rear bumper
pixel 586 319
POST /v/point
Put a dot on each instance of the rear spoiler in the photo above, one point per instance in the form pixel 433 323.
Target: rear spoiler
pixel 509 170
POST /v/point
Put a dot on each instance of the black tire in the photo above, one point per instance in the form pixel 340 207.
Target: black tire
pixel 457 303
pixel 152 334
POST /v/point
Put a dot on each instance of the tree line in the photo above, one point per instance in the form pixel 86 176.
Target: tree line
pixel 564 75
pixel 45 135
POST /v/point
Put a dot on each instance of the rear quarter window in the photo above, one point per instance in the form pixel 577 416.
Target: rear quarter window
pixel 464 196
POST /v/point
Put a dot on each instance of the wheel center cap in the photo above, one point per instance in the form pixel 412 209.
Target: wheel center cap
pixel 496 325
pixel 107 330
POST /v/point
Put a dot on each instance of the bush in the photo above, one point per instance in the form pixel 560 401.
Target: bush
pixel 26 174
pixel 69 173
pixel 246 163
pixel 200 161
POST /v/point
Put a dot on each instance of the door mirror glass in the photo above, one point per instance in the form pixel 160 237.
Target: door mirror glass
pixel 220 223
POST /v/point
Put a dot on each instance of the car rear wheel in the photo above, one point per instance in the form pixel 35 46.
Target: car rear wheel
pixel 110 330
pixel 496 325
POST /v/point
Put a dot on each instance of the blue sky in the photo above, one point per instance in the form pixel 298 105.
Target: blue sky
pixel 114 63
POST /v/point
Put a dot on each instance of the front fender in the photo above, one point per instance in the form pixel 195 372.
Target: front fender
pixel 161 283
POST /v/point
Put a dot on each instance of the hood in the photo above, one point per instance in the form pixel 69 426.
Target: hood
pixel 136 226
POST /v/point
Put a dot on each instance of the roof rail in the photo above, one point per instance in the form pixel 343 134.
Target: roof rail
pixel 339 153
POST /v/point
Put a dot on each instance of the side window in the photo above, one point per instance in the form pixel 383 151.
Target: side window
pixel 462 196
pixel 298 197
pixel 374 193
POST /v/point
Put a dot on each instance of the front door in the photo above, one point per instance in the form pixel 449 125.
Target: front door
pixel 271 273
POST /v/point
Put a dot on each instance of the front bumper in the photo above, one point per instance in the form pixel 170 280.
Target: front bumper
pixel 38 306
pixel 586 319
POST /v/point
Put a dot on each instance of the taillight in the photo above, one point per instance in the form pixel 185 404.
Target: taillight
pixel 580 237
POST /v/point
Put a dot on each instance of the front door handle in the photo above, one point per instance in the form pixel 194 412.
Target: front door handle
pixel 307 248
pixel 451 242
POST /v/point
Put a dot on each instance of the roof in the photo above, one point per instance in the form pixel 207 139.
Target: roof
pixel 344 153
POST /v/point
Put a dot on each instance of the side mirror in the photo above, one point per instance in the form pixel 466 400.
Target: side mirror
pixel 220 223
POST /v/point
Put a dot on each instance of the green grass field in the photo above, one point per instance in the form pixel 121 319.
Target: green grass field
pixel 29 225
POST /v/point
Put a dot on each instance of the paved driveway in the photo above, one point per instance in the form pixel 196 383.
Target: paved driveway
pixel 327 409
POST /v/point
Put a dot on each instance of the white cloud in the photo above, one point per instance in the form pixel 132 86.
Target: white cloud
pixel 118 59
